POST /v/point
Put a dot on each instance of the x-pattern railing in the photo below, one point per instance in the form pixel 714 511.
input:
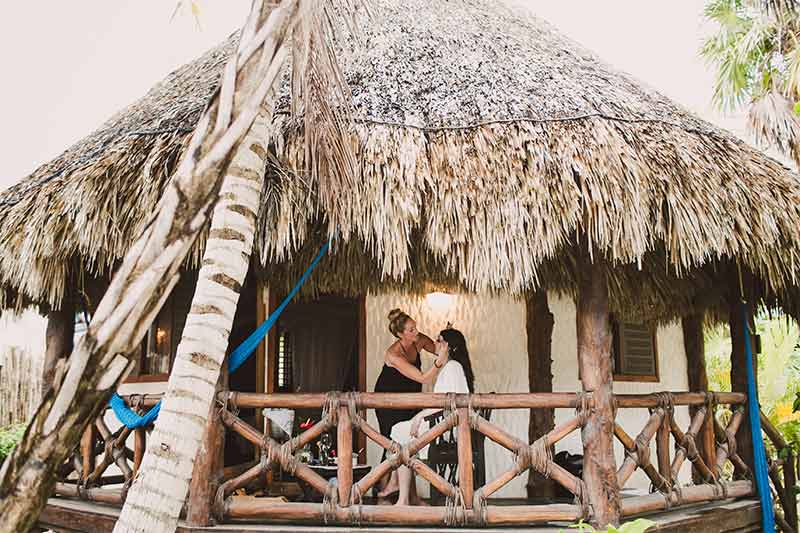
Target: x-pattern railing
pixel 342 502
pixel 663 475
pixel 84 475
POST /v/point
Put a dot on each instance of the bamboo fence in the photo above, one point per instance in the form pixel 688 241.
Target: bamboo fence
pixel 20 384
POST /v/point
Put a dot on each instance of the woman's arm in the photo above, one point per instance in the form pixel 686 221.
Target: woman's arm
pixel 425 343
pixel 410 371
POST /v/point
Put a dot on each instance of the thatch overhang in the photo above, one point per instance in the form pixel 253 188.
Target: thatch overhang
pixel 488 144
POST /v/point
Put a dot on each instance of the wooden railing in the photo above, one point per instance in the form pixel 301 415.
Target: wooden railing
pixel 783 476
pixel 342 501
pixel 706 443
pixel 85 475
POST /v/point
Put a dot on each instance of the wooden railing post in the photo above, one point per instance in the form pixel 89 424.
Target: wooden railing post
pixel 465 474
pixel 744 442
pixel 594 357
pixel 58 339
pixel 87 452
pixel 694 346
pixel 790 482
pixel 139 447
pixel 344 445
pixel 662 448
pixel 209 463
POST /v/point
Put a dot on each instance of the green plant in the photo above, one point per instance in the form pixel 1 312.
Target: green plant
pixel 755 52
pixel 9 437
pixel 640 525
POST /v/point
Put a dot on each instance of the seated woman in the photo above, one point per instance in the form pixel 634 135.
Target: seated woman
pixel 455 376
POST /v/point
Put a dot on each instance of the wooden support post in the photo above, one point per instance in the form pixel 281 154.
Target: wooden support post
pixel 465 474
pixel 790 482
pixel 694 345
pixel 58 339
pixel 262 302
pixel 662 448
pixel 209 463
pixel 87 452
pixel 344 445
pixel 594 359
pixel 361 438
pixel 539 325
pixel 744 444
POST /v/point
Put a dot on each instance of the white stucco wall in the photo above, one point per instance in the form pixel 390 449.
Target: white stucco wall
pixel 495 332
pixel 673 377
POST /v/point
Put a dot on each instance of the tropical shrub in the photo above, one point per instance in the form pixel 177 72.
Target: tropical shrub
pixel 9 437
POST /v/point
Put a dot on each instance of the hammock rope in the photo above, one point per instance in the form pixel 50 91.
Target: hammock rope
pixel 131 419
pixel 759 453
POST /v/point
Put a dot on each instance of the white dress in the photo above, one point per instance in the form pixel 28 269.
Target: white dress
pixel 451 378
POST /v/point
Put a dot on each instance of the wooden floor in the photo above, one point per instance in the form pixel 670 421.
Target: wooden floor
pixel 741 516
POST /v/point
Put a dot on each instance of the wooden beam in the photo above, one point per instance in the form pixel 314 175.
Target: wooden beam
pixel 499 400
pixel 662 448
pixel 344 445
pixel 209 464
pixel 361 439
pixel 694 345
pixel 58 339
pixel 744 444
pixel 594 359
pixel 272 347
pixel 519 515
pixel 465 474
pixel 539 324
pixel 262 305
pixel 87 452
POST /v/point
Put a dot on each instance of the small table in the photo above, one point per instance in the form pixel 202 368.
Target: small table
pixel 328 472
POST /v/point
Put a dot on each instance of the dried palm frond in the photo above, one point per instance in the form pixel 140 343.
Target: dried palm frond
pixel 321 95
pixel 483 142
pixel 773 121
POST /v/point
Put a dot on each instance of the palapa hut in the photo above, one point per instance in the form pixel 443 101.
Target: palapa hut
pixel 505 177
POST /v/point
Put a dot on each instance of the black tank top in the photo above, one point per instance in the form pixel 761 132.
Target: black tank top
pixel 392 380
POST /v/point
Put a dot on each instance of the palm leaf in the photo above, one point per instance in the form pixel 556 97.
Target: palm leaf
pixel 321 95
pixel 773 122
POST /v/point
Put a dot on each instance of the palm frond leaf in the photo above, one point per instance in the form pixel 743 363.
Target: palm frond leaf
pixel 774 122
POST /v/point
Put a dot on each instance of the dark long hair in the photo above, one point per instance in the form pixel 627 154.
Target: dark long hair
pixel 458 352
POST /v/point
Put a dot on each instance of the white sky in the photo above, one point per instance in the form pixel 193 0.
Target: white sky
pixel 71 65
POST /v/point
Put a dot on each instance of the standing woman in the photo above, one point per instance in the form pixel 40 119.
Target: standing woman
pixel 402 372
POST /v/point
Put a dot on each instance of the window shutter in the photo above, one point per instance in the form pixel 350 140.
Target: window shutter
pixel 638 354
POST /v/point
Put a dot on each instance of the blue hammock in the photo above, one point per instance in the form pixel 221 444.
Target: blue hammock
pixel 133 420
pixel 759 453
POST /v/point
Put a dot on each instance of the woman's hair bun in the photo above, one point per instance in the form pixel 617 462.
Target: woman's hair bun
pixel 397 321
pixel 394 313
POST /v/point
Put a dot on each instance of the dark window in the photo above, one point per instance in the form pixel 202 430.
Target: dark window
pixel 284 362
pixel 635 354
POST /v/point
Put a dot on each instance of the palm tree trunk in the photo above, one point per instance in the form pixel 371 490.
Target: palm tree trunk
pixel 157 495
pixel 146 276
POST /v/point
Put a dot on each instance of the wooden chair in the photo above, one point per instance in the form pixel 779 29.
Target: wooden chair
pixel 443 455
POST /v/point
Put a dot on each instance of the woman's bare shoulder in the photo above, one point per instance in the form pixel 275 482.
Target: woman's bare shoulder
pixel 392 352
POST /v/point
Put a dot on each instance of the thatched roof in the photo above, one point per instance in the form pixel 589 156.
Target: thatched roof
pixel 487 144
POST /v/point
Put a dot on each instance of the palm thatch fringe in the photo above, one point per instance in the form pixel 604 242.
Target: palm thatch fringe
pixel 486 146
